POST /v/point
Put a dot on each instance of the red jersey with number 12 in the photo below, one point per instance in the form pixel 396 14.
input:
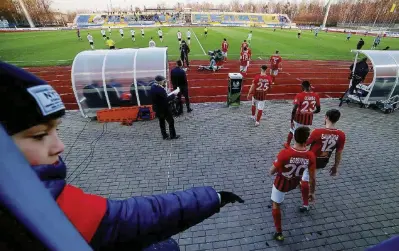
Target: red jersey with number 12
pixel 244 58
pixel 290 164
pixel 275 61
pixel 307 103
pixel 225 46
pixel 262 86
pixel 323 141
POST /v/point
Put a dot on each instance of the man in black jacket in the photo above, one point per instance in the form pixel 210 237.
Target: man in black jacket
pixel 178 78
pixel 184 51
pixel 160 104
pixel 360 44
pixel 361 71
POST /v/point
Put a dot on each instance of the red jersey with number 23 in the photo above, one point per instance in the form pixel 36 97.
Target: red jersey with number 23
pixel 323 141
pixel 262 86
pixel 307 103
pixel 291 164
pixel 244 58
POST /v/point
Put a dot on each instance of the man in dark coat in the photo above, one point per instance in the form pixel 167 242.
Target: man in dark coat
pixel 178 78
pixel 361 71
pixel 136 223
pixel 160 104
pixel 360 44
pixel 184 51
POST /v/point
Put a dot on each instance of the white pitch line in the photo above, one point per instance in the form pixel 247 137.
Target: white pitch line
pixel 199 43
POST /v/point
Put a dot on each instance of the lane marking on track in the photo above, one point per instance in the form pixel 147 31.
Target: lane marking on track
pixel 199 43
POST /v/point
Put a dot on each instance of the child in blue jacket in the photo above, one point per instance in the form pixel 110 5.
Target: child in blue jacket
pixel 30 111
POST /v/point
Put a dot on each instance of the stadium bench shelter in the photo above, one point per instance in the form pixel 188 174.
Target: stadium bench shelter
pixel 385 84
pixel 116 78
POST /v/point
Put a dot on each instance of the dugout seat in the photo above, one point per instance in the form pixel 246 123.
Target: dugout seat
pixel 114 92
pixel 143 89
pixel 94 96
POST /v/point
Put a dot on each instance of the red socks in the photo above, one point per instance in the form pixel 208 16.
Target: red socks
pixel 253 110
pixel 289 138
pixel 259 115
pixel 305 192
pixel 277 219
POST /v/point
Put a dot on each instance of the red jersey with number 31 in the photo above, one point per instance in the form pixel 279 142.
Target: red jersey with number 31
pixel 262 86
pixel 290 164
pixel 275 61
pixel 323 141
pixel 244 58
pixel 307 103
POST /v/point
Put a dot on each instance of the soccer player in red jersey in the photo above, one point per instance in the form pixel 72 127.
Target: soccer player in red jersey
pixel 244 58
pixel 225 49
pixel 244 45
pixel 323 142
pixel 293 166
pixel 306 104
pixel 259 89
pixel 275 64
pixel 249 54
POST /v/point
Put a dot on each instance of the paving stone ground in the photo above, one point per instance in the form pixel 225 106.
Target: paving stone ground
pixel 220 147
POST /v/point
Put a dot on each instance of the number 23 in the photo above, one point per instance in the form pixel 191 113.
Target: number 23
pixel 308 106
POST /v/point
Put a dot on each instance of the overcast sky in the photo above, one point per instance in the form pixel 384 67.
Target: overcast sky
pixel 64 5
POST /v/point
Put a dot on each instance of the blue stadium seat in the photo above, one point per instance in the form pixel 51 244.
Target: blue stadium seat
pixel 82 19
pixel 114 92
pixel 243 18
pixel 143 89
pixel 216 18
pixel 94 96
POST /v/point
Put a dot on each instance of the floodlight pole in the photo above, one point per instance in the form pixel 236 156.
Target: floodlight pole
pixel 26 13
pixel 326 15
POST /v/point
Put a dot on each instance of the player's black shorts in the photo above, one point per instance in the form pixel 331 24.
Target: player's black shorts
pixel 122 35
pixel 91 43
pixel 321 163
pixel 206 32
pixel 179 39
pixel 188 38
pixel 112 47
pixel 142 35
pixel 104 35
pixel 160 37
pixel 299 34
pixel 132 35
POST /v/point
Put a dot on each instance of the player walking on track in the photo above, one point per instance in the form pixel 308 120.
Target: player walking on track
pixel 323 142
pixel 179 36
pixel 188 35
pixel 244 60
pixel 294 166
pixel 275 64
pixel 259 89
pixel 91 41
pixel 225 49
pixel 306 104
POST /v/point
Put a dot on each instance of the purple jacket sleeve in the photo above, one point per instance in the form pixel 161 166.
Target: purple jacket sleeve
pixel 141 221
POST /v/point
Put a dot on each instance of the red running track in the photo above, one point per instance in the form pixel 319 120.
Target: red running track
pixel 329 78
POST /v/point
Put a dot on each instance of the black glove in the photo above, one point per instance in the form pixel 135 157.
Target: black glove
pixel 229 197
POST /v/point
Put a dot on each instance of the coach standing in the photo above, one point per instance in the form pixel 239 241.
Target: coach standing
pixel 160 104
pixel 360 44
pixel 178 78
pixel 184 51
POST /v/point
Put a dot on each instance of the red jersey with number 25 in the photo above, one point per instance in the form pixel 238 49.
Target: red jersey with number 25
pixel 323 141
pixel 274 62
pixel 291 164
pixel 244 58
pixel 262 86
pixel 307 103
pixel 225 46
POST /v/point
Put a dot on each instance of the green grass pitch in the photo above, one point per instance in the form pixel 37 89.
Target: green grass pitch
pixel 60 47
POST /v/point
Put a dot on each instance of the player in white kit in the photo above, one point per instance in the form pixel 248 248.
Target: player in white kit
pixel 103 33
pixel 142 32
pixel 249 38
pixel 151 43
pixel 133 32
pixel 160 33
pixel 91 41
pixel 179 36
pixel 188 35
pixel 109 31
pixel 121 32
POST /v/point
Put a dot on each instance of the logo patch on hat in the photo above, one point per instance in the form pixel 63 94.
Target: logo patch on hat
pixel 47 99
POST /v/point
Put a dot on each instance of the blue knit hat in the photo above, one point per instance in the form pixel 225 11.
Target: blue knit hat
pixel 26 100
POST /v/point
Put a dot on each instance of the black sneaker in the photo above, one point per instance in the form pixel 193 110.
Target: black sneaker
pixel 166 137
pixel 278 236
pixel 175 137
pixel 189 110
pixel 303 209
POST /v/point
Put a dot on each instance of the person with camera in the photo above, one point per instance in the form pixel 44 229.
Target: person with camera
pixel 160 104
pixel 184 51
pixel 178 78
